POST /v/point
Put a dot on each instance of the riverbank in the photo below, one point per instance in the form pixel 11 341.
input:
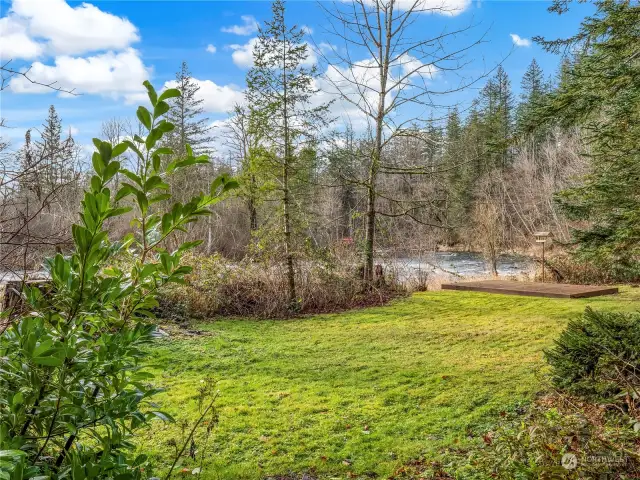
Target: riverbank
pixel 358 394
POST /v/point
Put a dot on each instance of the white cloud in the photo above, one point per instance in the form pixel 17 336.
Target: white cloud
pixel 307 30
pixel 413 67
pixel 52 28
pixel 64 30
pixel 215 98
pixel 518 41
pixel 439 7
pixel 211 48
pixel 242 55
pixel 73 131
pixel 249 26
pixel 15 42
pixel 109 74
pixel 360 85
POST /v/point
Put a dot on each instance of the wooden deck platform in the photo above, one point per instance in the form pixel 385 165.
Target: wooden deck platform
pixel 531 289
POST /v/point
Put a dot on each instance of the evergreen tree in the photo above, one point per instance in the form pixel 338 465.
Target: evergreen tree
pixel 457 173
pixel 432 151
pixel 532 91
pixel 600 93
pixel 186 113
pixel 279 91
pixel 496 102
pixel 50 161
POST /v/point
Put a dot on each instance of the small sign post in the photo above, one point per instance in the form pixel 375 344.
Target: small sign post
pixel 542 237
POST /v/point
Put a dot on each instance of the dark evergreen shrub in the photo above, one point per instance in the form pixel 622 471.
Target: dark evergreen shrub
pixel 598 355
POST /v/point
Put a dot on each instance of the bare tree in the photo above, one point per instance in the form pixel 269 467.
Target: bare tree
pixel 7 72
pixel 392 88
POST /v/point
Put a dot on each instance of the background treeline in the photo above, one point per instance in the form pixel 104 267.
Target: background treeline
pixel 560 156
pixel 482 177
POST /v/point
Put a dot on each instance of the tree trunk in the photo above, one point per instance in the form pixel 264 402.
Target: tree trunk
pixel 370 227
pixel 253 212
pixel 286 194
pixel 286 200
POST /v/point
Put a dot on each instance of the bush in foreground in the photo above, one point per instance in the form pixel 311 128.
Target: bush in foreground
pixel 73 393
pixel 589 427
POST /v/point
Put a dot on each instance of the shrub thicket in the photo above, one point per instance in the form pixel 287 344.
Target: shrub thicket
pixel 258 289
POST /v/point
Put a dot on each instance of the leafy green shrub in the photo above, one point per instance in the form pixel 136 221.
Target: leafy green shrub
pixel 598 355
pixel 73 393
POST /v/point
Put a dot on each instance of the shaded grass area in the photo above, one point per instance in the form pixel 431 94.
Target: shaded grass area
pixel 360 393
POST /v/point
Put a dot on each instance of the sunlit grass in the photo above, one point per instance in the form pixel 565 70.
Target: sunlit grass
pixel 362 391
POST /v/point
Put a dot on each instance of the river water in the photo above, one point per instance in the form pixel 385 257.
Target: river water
pixel 465 264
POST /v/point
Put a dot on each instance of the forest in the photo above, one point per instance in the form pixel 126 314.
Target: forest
pixel 479 177
pixel 223 298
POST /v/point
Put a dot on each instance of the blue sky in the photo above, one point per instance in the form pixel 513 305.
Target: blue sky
pixel 105 49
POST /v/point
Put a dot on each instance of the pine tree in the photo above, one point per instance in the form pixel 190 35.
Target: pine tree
pixel 457 172
pixel 52 155
pixel 279 92
pixel 186 114
pixel 496 103
pixel 532 92
pixel 600 93
pixel 30 178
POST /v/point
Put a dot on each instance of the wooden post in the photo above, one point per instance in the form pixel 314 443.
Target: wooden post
pixel 543 261
pixel 542 237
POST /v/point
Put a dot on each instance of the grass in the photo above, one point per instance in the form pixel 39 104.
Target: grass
pixel 359 393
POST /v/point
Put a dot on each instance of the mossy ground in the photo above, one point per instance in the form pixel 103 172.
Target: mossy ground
pixel 359 393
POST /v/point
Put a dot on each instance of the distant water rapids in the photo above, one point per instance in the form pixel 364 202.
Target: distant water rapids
pixel 464 264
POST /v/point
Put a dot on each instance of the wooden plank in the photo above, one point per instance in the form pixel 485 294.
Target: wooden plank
pixel 532 289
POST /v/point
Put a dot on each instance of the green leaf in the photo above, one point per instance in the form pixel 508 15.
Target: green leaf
pixel 119 149
pixel 43 348
pixel 48 361
pixel 110 171
pixel 143 203
pixel 165 127
pixel 98 164
pixel 163 416
pixel 96 183
pixel 159 198
pixel 169 93
pixel 160 109
pixel 125 190
pixel 132 176
pixel 163 151
pixel 144 116
pixel 152 138
pixel 153 96
pixel 105 152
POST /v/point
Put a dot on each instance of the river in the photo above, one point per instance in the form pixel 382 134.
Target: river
pixel 465 264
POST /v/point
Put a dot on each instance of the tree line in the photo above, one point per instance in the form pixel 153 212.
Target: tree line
pixel 481 177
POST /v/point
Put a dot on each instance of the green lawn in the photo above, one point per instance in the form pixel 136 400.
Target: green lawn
pixel 361 391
